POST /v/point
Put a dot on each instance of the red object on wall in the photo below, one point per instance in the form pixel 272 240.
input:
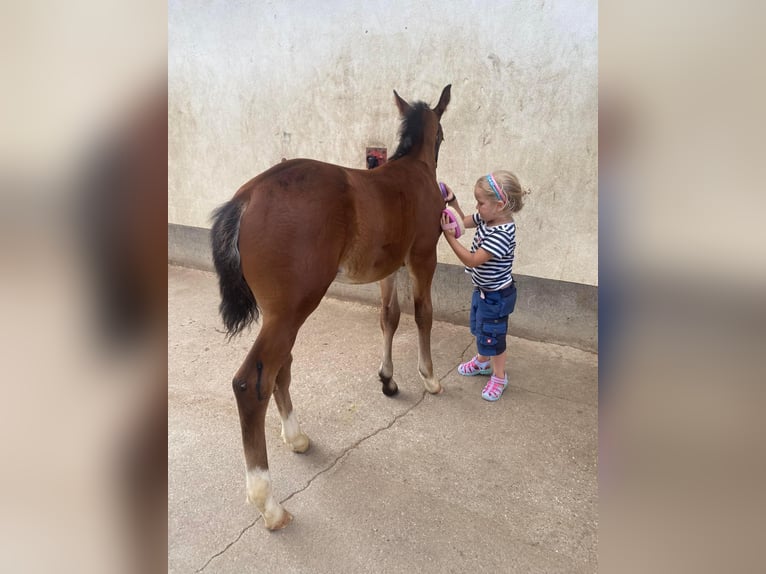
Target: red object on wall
pixel 375 157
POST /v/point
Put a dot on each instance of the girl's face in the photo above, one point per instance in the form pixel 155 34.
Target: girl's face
pixel 489 209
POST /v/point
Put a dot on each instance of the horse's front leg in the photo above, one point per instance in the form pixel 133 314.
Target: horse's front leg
pixel 389 321
pixel 422 272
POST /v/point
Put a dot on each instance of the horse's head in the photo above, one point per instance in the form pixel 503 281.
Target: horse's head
pixel 421 127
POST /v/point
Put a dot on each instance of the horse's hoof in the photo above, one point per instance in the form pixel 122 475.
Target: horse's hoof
pixel 435 388
pixel 390 389
pixel 389 385
pixel 286 519
pixel 300 444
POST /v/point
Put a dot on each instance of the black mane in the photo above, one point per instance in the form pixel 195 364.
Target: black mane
pixel 411 130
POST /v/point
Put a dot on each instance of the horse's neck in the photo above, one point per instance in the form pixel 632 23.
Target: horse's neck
pixel 425 152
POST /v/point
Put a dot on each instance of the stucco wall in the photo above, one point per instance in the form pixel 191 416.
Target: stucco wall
pixel 252 82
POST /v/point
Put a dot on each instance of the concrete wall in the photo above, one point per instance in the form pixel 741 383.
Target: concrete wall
pixel 252 82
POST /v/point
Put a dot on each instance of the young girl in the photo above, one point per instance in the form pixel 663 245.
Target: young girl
pixel 490 261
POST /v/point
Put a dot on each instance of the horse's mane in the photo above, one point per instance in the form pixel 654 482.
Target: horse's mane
pixel 411 130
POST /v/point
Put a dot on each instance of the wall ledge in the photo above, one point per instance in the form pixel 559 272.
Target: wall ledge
pixel 547 310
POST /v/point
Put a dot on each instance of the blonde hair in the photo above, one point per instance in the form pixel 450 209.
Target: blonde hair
pixel 509 187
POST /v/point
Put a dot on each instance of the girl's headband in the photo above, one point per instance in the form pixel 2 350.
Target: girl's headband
pixel 498 189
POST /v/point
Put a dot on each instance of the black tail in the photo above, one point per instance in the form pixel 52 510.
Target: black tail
pixel 238 306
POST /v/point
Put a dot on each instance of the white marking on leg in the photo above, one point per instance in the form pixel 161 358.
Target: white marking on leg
pixel 431 384
pixel 292 435
pixel 259 493
pixel 290 427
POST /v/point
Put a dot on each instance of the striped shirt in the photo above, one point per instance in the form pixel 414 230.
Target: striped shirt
pixel 500 242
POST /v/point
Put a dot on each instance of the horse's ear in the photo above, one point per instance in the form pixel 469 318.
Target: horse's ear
pixel 403 106
pixel 443 101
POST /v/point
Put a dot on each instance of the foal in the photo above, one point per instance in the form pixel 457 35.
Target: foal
pixel 288 233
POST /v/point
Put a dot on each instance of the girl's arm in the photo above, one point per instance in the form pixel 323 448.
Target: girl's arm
pixel 479 257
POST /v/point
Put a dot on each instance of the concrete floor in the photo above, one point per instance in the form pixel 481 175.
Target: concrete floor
pixel 414 483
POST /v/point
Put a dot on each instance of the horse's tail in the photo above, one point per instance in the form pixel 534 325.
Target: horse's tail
pixel 238 307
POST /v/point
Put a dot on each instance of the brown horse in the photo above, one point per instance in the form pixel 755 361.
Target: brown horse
pixel 287 234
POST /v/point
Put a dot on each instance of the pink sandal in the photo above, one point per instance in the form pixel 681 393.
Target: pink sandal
pixel 474 367
pixel 494 388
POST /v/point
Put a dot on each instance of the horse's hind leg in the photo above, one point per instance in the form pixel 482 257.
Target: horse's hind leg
pixel 253 386
pixel 389 321
pixel 422 272
pixel 291 430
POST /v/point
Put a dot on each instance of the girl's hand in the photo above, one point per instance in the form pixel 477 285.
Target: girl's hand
pixel 448 228
pixel 448 194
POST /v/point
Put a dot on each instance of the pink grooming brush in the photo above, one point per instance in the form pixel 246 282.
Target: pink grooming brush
pixel 455 222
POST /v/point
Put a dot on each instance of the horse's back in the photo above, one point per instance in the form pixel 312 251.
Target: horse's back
pixel 311 221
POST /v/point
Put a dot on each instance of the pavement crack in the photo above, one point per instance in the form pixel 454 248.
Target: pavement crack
pixel 328 468
pixel 229 545
pixel 356 444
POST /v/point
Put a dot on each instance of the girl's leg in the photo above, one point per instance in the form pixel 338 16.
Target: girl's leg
pixel 498 365
pixel 497 383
